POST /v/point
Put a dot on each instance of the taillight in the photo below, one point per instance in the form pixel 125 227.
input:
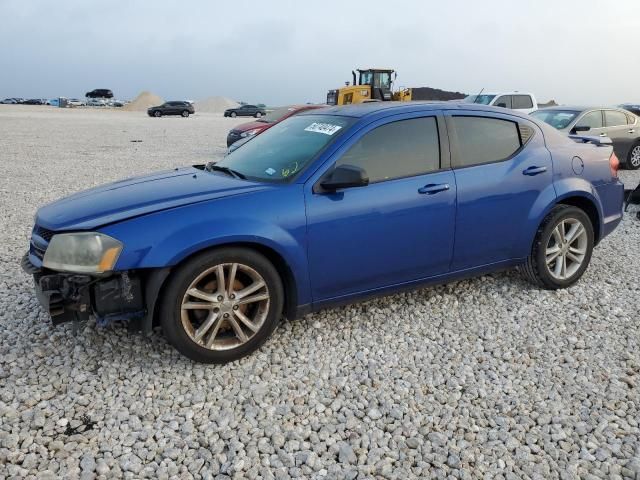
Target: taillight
pixel 614 164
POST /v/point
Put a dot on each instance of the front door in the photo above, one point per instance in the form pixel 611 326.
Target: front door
pixel 397 229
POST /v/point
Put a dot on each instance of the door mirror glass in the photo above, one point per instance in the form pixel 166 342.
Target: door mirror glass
pixel 345 176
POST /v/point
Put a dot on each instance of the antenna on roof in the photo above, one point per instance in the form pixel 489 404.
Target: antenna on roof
pixel 475 100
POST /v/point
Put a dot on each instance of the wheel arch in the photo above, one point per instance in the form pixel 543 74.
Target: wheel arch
pixel 284 270
pixel 588 206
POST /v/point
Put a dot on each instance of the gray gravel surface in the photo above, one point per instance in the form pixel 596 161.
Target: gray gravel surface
pixel 482 378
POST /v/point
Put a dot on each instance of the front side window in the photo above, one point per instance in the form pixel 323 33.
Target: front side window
pixel 521 101
pixel 484 140
pixel 614 118
pixel 284 150
pixel 366 78
pixel 479 99
pixel 591 120
pixel 504 101
pixel 556 118
pixel 399 149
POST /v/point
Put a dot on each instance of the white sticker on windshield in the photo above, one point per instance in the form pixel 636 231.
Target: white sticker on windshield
pixel 326 128
pixel 269 171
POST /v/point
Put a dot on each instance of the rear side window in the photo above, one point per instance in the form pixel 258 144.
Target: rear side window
pixel 400 149
pixel 591 120
pixel 631 120
pixel 503 101
pixel 614 118
pixel 521 101
pixel 485 140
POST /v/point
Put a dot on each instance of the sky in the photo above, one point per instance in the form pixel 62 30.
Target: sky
pixel 278 52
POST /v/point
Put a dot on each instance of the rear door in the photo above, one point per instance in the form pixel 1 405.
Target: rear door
pixel 622 134
pixel 503 174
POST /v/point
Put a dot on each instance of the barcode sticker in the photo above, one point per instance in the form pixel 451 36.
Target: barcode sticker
pixel 326 128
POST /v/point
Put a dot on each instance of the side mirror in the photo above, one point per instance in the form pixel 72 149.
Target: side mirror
pixel 345 176
pixel 581 128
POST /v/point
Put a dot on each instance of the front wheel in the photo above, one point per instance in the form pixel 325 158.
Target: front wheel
pixel 157 114
pixel 562 248
pixel 633 159
pixel 258 115
pixel 222 305
pixel 185 113
pixel 234 114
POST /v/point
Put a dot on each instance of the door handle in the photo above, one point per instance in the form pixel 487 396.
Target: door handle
pixel 531 171
pixel 603 134
pixel 632 131
pixel 432 188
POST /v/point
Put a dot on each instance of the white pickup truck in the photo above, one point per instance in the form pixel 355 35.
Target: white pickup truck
pixel 520 101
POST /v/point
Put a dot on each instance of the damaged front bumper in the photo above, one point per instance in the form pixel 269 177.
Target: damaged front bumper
pixel 128 295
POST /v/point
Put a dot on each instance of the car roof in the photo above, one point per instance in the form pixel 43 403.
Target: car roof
pixel 360 110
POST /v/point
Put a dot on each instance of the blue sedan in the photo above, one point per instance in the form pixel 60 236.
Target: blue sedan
pixel 327 207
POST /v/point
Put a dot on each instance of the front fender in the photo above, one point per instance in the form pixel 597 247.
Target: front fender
pixel 274 219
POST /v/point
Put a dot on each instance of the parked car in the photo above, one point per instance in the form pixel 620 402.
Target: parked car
pixel 631 107
pixel 246 111
pixel 99 93
pixel 117 103
pixel 172 108
pixel 97 102
pixel 324 208
pixel 34 101
pixel 75 102
pixel 520 101
pixel 269 120
pixel 619 125
pixel 9 101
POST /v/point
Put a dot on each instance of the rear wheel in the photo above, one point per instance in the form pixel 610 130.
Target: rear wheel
pixel 185 113
pixel 562 248
pixel 222 305
pixel 157 113
pixel 633 159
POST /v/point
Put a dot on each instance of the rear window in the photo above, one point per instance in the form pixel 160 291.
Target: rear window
pixel 614 118
pixel 521 101
pixel 484 140
pixel 556 118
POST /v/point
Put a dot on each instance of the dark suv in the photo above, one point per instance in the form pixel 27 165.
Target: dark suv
pixel 99 93
pixel 172 108
pixel 245 111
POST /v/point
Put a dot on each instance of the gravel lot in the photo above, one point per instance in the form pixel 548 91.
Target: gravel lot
pixel 485 378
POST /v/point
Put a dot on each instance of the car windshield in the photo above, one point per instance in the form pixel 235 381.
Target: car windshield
pixel 285 149
pixel 556 118
pixel 277 115
pixel 479 99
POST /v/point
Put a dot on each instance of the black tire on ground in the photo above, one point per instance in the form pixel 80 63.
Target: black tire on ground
pixel 633 158
pixel 179 282
pixel 258 114
pixel 536 269
pixel 185 113
pixel 157 113
pixel 233 115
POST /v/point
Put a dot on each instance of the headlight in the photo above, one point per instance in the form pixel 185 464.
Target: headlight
pixel 82 252
pixel 248 133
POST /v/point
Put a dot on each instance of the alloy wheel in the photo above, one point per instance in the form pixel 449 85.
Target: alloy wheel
pixel 635 156
pixel 566 248
pixel 225 306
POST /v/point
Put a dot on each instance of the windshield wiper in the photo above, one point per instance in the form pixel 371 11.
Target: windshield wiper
pixel 229 171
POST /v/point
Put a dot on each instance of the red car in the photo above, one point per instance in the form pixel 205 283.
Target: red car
pixel 269 120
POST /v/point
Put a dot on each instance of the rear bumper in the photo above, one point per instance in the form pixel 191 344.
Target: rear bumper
pixel 612 198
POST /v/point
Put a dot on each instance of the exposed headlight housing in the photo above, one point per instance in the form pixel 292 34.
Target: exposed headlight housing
pixel 248 133
pixel 82 252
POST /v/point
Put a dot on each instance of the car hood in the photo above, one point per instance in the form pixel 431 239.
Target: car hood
pixel 137 196
pixel 251 125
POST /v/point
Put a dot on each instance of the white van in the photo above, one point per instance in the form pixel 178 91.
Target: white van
pixel 520 101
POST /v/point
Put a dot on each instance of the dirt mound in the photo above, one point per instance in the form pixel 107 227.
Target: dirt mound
pixel 215 104
pixel 143 101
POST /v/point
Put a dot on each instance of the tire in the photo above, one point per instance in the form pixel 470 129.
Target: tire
pixel 190 329
pixel 185 113
pixel 157 114
pixel 258 115
pixel 541 267
pixel 633 159
pixel 233 115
